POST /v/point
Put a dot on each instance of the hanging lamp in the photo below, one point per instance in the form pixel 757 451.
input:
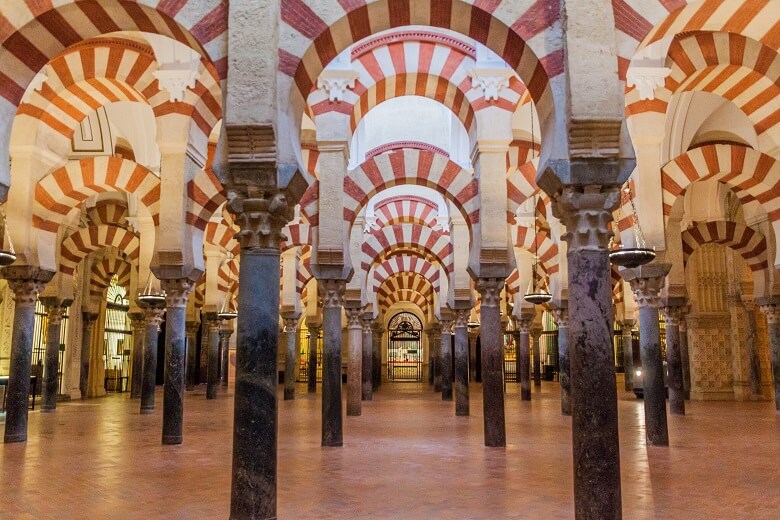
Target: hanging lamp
pixel 633 256
pixel 537 292
pixel 228 311
pixel 7 256
pixel 149 296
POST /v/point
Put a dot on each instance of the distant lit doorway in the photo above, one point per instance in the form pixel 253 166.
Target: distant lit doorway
pixel 404 348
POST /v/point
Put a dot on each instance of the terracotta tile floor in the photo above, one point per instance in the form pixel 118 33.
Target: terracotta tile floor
pixel 406 457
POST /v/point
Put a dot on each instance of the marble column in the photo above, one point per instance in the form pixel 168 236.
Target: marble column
pixel 354 361
pixel 492 356
pixel 176 291
pixel 153 318
pixel 332 292
pixel 646 283
pixel 684 358
pixel 436 354
pixel 291 333
pixel 751 343
pixel 674 361
pixel 314 333
pixel 26 283
pixel 536 335
pixel 586 212
pixel 431 358
pixel 461 361
pixel 192 349
pixel 54 310
pixel 376 355
pixel 772 313
pixel 561 315
pixel 138 326
pixel 212 373
pixel 366 394
pixel 446 355
pixel 626 326
pixel 523 361
pixel 88 320
pixel 225 330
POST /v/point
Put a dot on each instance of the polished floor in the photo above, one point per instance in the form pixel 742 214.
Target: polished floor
pixel 406 457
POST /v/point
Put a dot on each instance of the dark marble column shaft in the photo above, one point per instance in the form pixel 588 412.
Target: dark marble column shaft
pixel 751 343
pixel 628 354
pixel 674 361
pixel 212 374
pixel 446 356
pixel 88 320
pixel 139 328
pixel 431 358
pixel 51 365
pixel 332 292
pixel 225 331
pixel 462 362
pixel 523 362
pixel 26 283
pixel 536 335
pixel 561 314
pixel 291 333
pixel 314 332
pixel 376 355
pixel 354 361
pixel 492 341
pixel 772 313
pixel 586 212
pixel 684 357
pixel 367 391
pixel 153 319
pixel 176 290
pixel 192 349
pixel 436 350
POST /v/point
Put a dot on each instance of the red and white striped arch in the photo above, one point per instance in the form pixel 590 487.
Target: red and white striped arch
pixel 618 295
pixel 32 33
pixel 413 237
pixel 104 270
pixel 86 240
pixel 205 196
pixel 749 243
pixel 60 191
pixel 304 274
pixel 108 212
pixel 525 238
pixel 406 209
pixel 405 296
pixel 401 282
pixel 227 277
pixel 313 35
pixel 404 264
pixel 222 234
pixel 296 235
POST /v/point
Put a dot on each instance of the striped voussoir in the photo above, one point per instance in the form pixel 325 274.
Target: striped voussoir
pixel 512 28
pixel 205 195
pixel 625 215
pixel 515 284
pixel 617 285
pixel 64 189
pixel 304 274
pixel 296 235
pixel 104 270
pixel 426 242
pixel 108 212
pixel 33 33
pixel 222 234
pixel 227 277
pixel 198 295
pixel 754 176
pixel 539 244
pixel 404 264
pixel 408 284
pixel 406 209
pixel 749 243
pixel 79 244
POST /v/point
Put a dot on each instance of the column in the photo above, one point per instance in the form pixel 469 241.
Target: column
pixel 138 326
pixel 225 330
pixel 446 356
pixel 674 360
pixel 367 321
pixel 462 362
pixel 153 318
pixel 561 315
pixel 586 212
pixel 291 333
pixel 54 310
pixel 354 361
pixel 646 283
pixel 176 291
pixel 314 333
pixel 536 334
pixel 751 342
pixel 772 313
pixel 626 326
pixel 332 292
pixel 523 361
pixel 435 346
pixel 431 357
pixel 212 373
pixel 376 355
pixel 684 359
pixel 192 348
pixel 492 341
pixel 88 320
pixel 26 283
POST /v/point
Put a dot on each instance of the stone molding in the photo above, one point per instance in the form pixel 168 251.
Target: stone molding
pixel 176 291
pixel 491 80
pixel 260 218
pixel 561 316
pixel 626 326
pixel 586 211
pixel 353 317
pixel 154 316
pixel 332 292
pixel 647 79
pixel 490 291
pixel 461 318
pixel 26 282
pixel 594 138
pixel 290 325
pixel 523 325
pixel 336 82
pixel 672 315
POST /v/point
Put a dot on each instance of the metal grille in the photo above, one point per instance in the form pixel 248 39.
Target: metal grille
pixel 117 340
pixel 510 358
pixel 404 350
pixel 303 340
pixel 39 345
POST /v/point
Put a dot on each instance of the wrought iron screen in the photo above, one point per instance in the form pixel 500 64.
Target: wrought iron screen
pixel 404 350
pixel 304 337
pixel 39 345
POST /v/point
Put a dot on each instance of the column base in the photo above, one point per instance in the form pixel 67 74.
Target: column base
pixel 147 411
pixel 48 408
pixel 525 395
pixel 333 444
pixel 22 437
pixel 172 439
pixel 289 396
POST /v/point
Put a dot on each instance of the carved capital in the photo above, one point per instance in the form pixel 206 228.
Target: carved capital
pixel 212 321
pixel 54 314
pixel 176 291
pixel 154 316
pixel 336 82
pixel 260 217
pixel 462 317
pixel 368 324
pixel 491 80
pixel 192 327
pixel 561 316
pixel 225 332
pixel 626 326
pixel 88 320
pixel 353 317
pixel 672 315
pixel 586 211
pixel 772 313
pixel 490 291
pixel 647 79
pixel 523 325
pixel 646 291
pixel 26 282
pixel 332 292
pixel 290 325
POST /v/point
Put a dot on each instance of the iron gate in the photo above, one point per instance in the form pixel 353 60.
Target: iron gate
pixel 303 368
pixel 404 351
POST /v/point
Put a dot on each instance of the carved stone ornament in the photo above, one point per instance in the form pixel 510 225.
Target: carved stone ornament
pixel 626 326
pixel 647 79
pixel 491 80
pixel 368 324
pixel 260 219
pixel 462 317
pixel 54 314
pixel 586 211
pixel 353 318
pixel 446 325
pixel 336 82
pixel 212 321
pixel 176 291
pixel 154 316
pixel 561 316
pixel 672 315
pixel 176 81
pixel 26 290
pixel 290 325
pixel 772 313
pixel 646 291
pixel 89 319
pixel 332 292
pixel 490 291
pixel 524 325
